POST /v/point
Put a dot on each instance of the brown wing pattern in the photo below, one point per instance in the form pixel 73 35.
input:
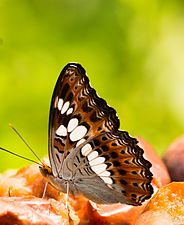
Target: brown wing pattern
pixel 91 111
pixel 79 119
pixel 128 170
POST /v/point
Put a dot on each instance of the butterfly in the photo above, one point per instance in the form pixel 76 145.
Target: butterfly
pixel 88 153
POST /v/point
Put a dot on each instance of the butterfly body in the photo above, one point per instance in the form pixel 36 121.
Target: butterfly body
pixel 88 153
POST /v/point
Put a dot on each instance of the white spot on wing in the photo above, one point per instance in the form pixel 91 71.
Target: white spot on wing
pixel 86 149
pixel 105 174
pixel 73 123
pixel 92 155
pixel 99 168
pixel 56 102
pixel 78 133
pixel 70 110
pixel 61 131
pixel 80 142
pixel 97 161
pixel 60 103
pixel 107 180
pixel 65 107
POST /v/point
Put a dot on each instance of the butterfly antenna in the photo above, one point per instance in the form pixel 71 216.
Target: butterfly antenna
pixel 14 129
pixel 20 156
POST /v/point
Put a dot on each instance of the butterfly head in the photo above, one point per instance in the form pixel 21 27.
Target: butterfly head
pixel 46 171
pixel 57 182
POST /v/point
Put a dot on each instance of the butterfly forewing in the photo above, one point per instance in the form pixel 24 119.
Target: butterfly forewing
pixel 85 146
pixel 76 104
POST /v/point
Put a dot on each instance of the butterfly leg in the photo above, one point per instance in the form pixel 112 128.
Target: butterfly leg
pixel 45 189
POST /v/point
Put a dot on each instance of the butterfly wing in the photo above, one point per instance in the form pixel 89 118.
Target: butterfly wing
pixel 74 102
pixel 111 169
pixel 84 139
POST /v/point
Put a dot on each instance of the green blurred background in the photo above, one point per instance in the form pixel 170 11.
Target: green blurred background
pixel 133 52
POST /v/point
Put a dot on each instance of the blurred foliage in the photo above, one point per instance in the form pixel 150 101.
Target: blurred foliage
pixel 133 52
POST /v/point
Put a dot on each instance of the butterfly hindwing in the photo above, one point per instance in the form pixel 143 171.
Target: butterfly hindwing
pixel 118 161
